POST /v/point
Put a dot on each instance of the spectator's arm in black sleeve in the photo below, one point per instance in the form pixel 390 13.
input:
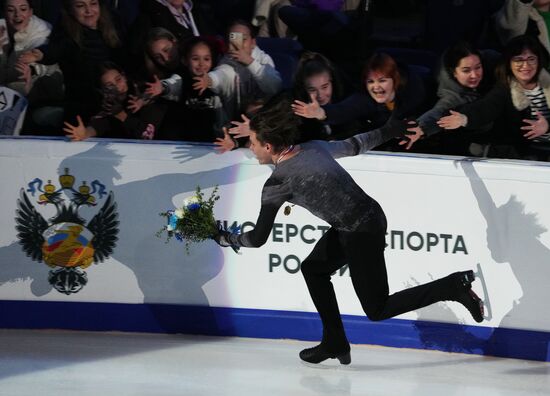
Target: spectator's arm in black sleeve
pixel 410 97
pixel 135 126
pixel 59 46
pixel 428 120
pixel 487 109
pixel 352 108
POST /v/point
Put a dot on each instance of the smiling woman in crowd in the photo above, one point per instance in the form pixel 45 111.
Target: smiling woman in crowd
pixel 462 80
pixel 389 92
pixel 317 80
pixel 518 104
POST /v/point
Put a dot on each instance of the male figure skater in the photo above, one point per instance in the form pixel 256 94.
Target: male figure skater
pixel 307 175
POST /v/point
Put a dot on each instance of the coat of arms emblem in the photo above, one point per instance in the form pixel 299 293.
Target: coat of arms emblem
pixel 66 242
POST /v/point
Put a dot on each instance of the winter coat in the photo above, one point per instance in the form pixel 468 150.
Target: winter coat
pixel 507 106
pixel 451 95
pixel 516 18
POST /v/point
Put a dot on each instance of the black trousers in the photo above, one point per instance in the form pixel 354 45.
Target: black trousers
pixel 364 253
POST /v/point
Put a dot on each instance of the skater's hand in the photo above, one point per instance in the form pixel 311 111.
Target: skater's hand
pixel 400 129
pixel 222 239
pixel 415 134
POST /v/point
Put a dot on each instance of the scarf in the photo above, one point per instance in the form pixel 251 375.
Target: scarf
pixel 35 35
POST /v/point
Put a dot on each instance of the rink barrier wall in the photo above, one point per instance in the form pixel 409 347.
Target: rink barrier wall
pixel 460 213
pixel 252 323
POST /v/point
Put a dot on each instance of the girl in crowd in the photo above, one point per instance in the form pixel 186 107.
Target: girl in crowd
pixel 316 80
pixel 25 32
pixel 244 75
pixel 86 37
pixel 461 81
pixel 162 55
pixel 161 65
pixel 121 116
pixel 203 113
pixel 190 115
pixel 41 84
pixel 518 105
pixel 389 93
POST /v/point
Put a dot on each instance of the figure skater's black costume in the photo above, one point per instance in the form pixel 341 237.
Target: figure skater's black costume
pixel 314 180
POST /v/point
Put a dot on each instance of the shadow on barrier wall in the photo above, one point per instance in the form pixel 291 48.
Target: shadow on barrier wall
pixel 165 274
pixel 512 237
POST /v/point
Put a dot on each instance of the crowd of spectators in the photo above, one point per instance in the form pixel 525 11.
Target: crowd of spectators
pixel 198 70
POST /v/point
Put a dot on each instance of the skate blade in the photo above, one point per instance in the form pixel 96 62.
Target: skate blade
pixel 488 313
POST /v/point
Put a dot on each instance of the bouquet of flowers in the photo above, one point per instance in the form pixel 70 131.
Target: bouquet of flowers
pixel 194 221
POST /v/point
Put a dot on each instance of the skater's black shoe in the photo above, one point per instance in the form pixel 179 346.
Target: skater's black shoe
pixel 319 354
pixel 467 297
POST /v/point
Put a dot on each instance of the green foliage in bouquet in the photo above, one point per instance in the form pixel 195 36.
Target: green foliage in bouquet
pixel 194 221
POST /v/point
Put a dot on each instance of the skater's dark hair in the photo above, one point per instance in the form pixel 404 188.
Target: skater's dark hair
pixel 276 123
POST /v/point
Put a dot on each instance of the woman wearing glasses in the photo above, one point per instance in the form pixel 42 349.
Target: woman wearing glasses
pixel 518 105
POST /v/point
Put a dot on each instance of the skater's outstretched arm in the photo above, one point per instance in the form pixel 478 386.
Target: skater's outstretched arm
pixel 274 194
pixel 365 141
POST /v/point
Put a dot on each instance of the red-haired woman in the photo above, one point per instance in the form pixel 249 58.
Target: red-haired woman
pixel 389 92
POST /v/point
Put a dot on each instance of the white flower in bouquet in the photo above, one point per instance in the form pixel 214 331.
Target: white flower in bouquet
pixel 191 200
pixel 180 213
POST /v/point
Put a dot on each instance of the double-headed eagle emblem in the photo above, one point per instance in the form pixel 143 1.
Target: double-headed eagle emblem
pixel 65 242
